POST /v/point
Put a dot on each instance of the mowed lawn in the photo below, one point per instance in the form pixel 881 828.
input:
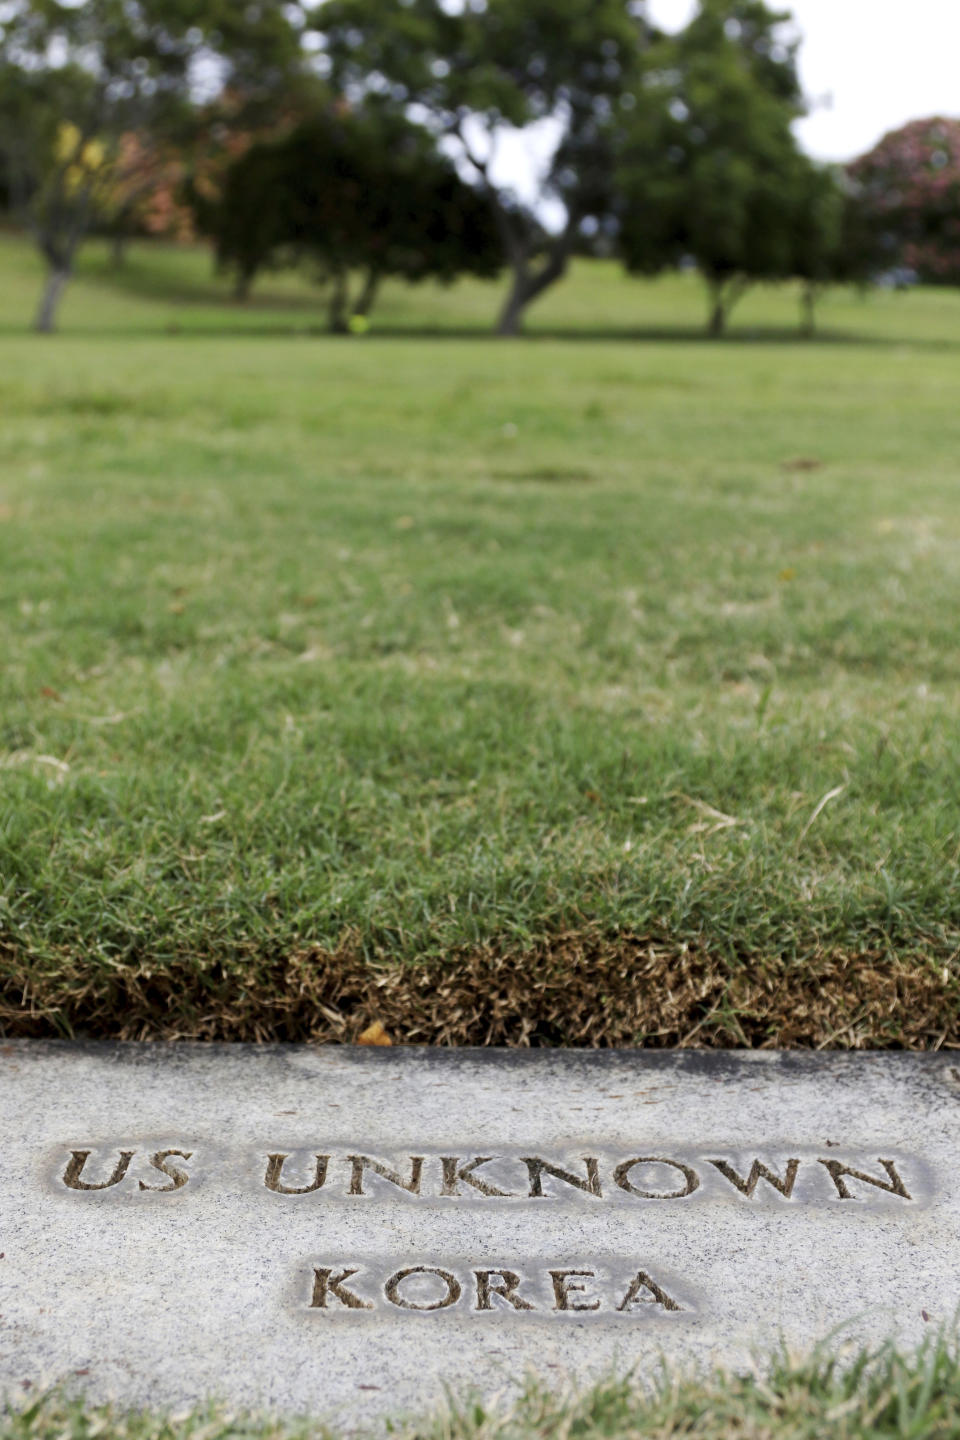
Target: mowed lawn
pixel 420 648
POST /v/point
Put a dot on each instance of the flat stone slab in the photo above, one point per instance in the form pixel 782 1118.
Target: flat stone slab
pixel 349 1232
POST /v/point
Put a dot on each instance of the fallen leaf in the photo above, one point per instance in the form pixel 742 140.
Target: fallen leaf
pixel 802 462
pixel 405 522
pixel 48 693
pixel 787 574
pixel 374 1035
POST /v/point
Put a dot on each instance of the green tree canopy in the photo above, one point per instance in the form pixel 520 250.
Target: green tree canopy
pixel 832 241
pixel 709 168
pixel 470 71
pixel 353 190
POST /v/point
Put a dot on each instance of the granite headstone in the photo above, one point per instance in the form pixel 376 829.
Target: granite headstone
pixel 354 1232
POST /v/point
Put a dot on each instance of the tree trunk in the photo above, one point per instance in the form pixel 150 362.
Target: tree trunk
pixel 528 285
pixel 516 302
pixel 808 311
pixel 118 250
pixel 57 277
pixel 364 301
pixel 718 316
pixel 241 286
pixel 526 288
pixel 724 294
pixel 338 304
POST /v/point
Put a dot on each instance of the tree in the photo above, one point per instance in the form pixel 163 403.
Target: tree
pixel 831 245
pixel 474 70
pixel 143 193
pixel 222 132
pixel 77 77
pixel 249 219
pixel 709 168
pixel 352 190
pixel 908 188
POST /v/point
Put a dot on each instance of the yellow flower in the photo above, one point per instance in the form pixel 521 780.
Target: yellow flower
pixel 83 161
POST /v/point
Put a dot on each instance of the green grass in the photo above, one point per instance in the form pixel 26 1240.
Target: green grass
pixel 885 1396
pixel 439 643
pixel 170 291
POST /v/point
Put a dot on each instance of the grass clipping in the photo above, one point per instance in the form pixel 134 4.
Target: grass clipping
pixel 578 990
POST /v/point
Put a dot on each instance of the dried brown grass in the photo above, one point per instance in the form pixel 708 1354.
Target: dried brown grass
pixel 579 990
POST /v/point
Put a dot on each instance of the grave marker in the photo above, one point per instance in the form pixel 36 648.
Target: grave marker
pixel 350 1232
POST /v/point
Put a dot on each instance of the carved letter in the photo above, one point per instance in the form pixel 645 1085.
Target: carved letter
pixel 362 1162
pixel 273 1181
pixel 538 1168
pixel 505 1286
pixel 622 1176
pixel 173 1172
pixel 392 1288
pixel 642 1281
pixel 837 1171
pixel 454 1171
pixel 78 1158
pixel 759 1171
pixel 563 1284
pixel 326 1283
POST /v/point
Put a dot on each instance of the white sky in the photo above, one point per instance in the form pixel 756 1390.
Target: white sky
pixel 867 66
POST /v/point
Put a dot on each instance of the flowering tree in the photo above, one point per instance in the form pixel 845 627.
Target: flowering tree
pixel 909 188
pixel 165 186
pixel 142 194
pixel 76 79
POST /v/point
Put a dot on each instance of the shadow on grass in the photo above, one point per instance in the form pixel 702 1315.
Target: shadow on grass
pixel 636 335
